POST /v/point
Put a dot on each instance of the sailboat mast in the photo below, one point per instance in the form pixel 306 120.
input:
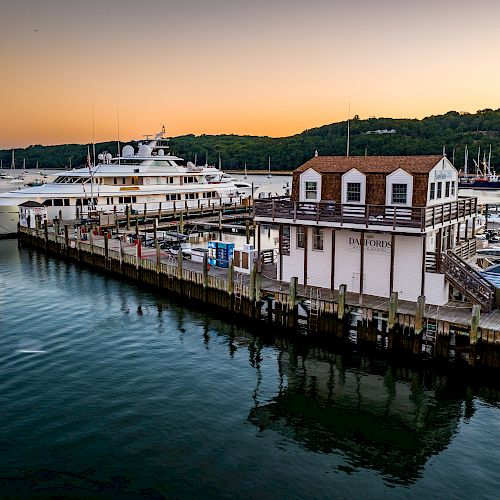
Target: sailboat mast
pixel 118 133
pixel 348 129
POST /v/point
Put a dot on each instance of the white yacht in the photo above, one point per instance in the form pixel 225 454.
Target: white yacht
pixel 140 179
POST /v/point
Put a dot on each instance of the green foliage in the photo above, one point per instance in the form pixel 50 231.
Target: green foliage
pixel 452 130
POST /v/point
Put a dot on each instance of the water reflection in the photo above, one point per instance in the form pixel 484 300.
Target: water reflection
pixel 377 416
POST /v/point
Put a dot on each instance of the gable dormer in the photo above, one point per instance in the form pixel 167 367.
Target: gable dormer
pixel 310 186
pixel 399 188
pixel 353 187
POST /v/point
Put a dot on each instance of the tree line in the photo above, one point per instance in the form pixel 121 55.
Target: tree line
pixel 373 136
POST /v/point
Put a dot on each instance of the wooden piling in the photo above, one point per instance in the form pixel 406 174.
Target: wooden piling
pixel 393 310
pixel 341 302
pixel 292 303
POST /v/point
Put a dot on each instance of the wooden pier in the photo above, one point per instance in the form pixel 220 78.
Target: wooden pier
pixel 457 330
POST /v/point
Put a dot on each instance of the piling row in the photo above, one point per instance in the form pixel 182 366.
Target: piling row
pixel 278 304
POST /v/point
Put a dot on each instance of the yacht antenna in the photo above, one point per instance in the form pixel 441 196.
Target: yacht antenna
pixel 466 158
pixel 220 162
pixel 89 164
pixel 13 163
pixel 195 159
pixel 206 158
pixel 348 128
pixel 489 160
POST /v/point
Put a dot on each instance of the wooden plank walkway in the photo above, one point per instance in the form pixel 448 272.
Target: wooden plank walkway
pixel 455 313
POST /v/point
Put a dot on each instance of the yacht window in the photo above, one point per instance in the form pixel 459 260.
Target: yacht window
pixel 134 199
pixel 123 180
pixel 115 180
pixel 136 170
pixel 58 203
pixel 78 202
pixel 48 203
pixel 127 199
pixel 66 202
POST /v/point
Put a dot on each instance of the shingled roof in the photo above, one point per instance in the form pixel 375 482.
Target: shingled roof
pixel 372 164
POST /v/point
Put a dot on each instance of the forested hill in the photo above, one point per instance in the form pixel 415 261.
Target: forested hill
pixel 374 136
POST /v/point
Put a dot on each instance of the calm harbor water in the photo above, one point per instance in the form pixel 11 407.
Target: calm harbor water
pixel 110 389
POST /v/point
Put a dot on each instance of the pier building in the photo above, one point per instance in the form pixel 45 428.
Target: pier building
pixel 379 225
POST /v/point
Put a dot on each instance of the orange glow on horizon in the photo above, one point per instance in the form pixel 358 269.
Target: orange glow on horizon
pixel 267 68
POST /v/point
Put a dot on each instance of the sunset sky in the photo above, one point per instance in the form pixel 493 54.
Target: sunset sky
pixel 260 67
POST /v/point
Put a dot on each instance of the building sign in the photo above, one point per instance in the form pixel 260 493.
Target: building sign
pixel 443 175
pixel 373 244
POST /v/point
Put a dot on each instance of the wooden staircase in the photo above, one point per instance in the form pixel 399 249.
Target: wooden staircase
pixel 466 280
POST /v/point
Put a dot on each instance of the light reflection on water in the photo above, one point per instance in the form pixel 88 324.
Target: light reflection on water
pixel 139 394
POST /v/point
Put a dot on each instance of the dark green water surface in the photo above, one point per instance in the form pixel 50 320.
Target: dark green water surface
pixel 107 389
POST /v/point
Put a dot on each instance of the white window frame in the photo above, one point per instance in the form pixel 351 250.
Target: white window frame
pixel 309 190
pixel 399 184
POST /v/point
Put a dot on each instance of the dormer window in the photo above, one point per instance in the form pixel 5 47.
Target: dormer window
pixel 399 194
pixel 353 192
pixel 311 190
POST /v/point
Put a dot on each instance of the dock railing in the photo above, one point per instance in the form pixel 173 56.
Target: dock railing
pixel 366 215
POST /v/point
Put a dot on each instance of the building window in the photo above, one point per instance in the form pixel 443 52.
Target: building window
pixel 301 237
pixel 399 194
pixel 353 192
pixel 317 238
pixel 439 190
pixel 447 189
pixel 285 243
pixel 453 188
pixel 433 191
pixel 311 190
